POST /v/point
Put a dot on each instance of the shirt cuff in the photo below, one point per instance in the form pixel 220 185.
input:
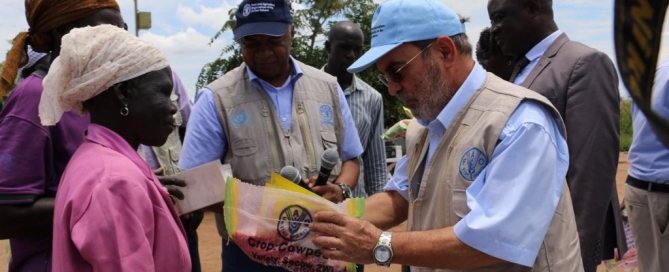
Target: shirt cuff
pixel 492 246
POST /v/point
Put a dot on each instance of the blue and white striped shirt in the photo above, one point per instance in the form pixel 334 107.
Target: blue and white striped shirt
pixel 366 105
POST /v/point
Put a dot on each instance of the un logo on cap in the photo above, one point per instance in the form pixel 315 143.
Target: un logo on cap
pixel 247 10
pixel 472 163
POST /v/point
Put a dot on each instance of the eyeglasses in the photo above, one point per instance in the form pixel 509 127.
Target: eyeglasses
pixel 394 74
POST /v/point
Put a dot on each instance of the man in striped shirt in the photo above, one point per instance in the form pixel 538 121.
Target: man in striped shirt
pixel 344 46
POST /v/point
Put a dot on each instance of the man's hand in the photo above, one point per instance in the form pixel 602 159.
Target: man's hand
pixel 329 191
pixel 171 184
pixel 344 238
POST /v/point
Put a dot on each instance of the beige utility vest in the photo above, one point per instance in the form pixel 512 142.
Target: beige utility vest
pixel 462 153
pixel 168 153
pixel 257 143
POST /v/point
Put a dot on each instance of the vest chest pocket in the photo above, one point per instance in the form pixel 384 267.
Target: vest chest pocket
pixel 244 147
pixel 329 139
pixel 459 203
pixel 175 153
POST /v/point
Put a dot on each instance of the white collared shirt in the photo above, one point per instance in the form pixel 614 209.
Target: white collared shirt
pixel 534 55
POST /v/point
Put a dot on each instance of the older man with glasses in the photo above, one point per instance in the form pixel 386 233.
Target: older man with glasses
pixel 470 199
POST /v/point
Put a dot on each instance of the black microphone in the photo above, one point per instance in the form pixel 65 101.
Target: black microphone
pixel 292 174
pixel 329 159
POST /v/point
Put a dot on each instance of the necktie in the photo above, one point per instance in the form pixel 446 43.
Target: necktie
pixel 518 67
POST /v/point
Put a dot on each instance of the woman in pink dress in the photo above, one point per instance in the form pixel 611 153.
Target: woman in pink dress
pixel 111 213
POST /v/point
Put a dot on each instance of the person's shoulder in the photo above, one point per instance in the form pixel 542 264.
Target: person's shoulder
pixel 373 96
pixel 229 79
pixel 23 101
pixel 580 51
pixel 315 73
pixel 97 166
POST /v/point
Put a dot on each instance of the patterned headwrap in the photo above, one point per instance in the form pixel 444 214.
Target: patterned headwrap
pixel 92 59
pixel 44 16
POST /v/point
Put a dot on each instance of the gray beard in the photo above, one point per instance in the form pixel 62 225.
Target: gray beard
pixel 434 93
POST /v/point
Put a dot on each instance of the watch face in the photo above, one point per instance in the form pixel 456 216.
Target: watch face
pixel 382 254
pixel 347 192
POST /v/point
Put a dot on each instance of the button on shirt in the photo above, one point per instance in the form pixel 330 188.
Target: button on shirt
pixel 513 200
pixel 648 157
pixel 205 140
pixel 534 55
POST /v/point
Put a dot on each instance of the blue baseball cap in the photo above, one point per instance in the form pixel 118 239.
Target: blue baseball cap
pixel 399 21
pixel 262 17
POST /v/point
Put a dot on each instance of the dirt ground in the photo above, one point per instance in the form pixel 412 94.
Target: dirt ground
pixel 210 242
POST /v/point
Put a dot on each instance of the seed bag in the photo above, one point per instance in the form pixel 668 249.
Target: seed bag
pixel 271 223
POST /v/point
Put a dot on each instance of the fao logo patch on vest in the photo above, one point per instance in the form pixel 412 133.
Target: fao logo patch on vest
pixel 327 116
pixel 472 163
pixel 294 223
pixel 240 118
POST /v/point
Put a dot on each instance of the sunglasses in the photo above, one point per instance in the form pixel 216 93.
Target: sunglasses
pixel 394 74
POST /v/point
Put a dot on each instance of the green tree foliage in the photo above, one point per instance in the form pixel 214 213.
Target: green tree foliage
pixel 311 26
pixel 625 124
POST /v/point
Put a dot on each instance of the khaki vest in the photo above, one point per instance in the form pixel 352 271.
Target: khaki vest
pixel 257 143
pixel 441 200
pixel 167 155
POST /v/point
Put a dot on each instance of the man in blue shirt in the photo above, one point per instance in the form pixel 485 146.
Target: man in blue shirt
pixel 483 182
pixel 647 189
pixel 270 112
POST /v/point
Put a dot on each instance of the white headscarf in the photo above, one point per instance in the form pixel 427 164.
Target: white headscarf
pixel 92 59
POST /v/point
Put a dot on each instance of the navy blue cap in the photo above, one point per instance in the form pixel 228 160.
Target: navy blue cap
pixel 262 17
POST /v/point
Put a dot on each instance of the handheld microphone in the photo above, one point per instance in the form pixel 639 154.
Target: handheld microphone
pixel 329 159
pixel 292 174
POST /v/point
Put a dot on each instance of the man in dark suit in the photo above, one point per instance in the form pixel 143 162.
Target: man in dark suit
pixel 582 84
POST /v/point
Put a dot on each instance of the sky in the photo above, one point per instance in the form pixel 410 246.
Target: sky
pixel 183 29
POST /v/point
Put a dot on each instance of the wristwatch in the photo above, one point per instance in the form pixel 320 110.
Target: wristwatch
pixel 383 251
pixel 345 190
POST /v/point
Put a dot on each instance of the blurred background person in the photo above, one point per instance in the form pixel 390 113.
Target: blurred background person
pixel 647 189
pixel 344 46
pixel 32 156
pixel 491 57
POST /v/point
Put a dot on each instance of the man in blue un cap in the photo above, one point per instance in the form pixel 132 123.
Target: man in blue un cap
pixel 270 112
pixel 483 183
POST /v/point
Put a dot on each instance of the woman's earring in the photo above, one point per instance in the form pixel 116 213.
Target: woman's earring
pixel 124 110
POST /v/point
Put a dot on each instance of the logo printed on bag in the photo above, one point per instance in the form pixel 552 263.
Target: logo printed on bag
pixel 472 163
pixel 326 115
pixel 294 223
